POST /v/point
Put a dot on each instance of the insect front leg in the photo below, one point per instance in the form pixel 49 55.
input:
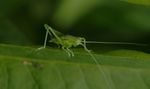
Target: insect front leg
pixel 84 45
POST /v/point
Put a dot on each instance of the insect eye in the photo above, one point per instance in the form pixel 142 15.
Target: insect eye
pixel 82 39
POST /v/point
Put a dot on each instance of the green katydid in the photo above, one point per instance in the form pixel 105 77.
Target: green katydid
pixel 68 41
pixel 65 41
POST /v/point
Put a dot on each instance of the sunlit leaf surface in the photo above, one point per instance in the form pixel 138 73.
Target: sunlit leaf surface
pixel 25 68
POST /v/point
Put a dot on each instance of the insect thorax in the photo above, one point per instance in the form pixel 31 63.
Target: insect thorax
pixel 68 41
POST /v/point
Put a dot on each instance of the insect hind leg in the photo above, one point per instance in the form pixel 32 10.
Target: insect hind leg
pixel 45 41
pixel 46 37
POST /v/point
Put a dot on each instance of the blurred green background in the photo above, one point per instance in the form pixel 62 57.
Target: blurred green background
pixel 21 21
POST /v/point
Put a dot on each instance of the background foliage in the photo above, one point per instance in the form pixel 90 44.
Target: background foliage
pixel 124 66
pixel 21 21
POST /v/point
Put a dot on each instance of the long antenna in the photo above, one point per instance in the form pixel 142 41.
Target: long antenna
pixel 121 43
pixel 98 64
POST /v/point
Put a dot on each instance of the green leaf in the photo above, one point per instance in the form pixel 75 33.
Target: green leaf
pixel 142 2
pixel 25 68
